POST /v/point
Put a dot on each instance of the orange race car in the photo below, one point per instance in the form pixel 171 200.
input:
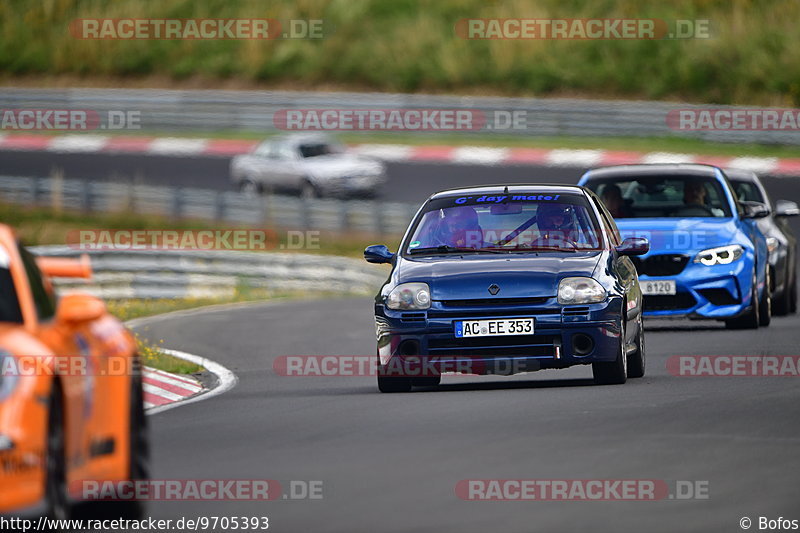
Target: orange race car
pixel 71 401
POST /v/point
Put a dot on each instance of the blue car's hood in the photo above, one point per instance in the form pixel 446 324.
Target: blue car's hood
pixel 680 234
pixel 517 276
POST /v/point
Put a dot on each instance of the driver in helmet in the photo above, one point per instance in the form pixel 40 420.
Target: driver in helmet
pixel 555 222
pixel 460 228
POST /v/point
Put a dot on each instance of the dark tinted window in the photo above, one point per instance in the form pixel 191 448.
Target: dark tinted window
pixel 662 196
pixel 9 302
pixel 747 191
pixel 42 298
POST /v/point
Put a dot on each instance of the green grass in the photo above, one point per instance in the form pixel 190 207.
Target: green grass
pixel 411 46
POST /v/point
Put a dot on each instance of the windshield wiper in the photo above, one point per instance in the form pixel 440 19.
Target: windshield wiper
pixel 447 249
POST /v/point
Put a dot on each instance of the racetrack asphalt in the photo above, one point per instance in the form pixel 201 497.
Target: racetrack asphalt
pixel 391 462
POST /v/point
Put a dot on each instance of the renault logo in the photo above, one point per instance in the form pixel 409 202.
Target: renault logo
pixel 494 289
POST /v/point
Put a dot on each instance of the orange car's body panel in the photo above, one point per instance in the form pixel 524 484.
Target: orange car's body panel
pixel 91 355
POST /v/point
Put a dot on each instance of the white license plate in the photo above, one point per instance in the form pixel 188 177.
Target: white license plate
pixel 664 286
pixel 494 327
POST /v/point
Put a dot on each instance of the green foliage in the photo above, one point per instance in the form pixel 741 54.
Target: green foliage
pixel 753 56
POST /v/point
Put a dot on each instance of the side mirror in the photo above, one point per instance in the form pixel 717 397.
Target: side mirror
pixel 79 308
pixel 785 208
pixel 755 209
pixel 634 246
pixel 378 253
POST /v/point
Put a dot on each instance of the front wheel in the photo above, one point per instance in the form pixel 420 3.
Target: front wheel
pixel 750 319
pixel 394 384
pixel 616 371
pixel 636 361
pixel 765 304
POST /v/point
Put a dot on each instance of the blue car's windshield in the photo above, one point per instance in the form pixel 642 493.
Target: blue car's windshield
pixel 505 223
pixel 662 196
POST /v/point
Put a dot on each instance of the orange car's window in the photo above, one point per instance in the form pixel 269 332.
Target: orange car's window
pixel 9 303
pixel 42 299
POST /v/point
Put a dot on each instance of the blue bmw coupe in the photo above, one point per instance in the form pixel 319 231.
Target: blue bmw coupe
pixel 509 279
pixel 708 258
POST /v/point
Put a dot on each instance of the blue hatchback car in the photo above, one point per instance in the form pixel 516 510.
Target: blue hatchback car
pixel 509 279
pixel 708 259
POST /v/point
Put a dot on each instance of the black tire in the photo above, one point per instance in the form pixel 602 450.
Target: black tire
pixel 750 319
pixel 614 372
pixel 249 188
pixel 637 360
pixel 793 297
pixel 308 191
pixel 765 303
pixel 427 381
pixel 782 305
pixel 138 445
pixel 56 500
pixel 392 383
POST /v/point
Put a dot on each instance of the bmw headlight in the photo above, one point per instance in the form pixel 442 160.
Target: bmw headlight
pixel 580 291
pixel 413 296
pixel 720 256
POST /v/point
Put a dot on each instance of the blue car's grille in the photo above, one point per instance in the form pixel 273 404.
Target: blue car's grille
pixel 521 345
pixel 493 302
pixel 682 300
pixel 661 264
pixel 482 313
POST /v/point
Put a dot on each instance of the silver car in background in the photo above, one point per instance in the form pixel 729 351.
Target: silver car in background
pixel 311 165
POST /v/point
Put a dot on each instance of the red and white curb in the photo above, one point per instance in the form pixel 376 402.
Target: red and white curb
pixel 162 388
pixel 475 155
pixel 164 391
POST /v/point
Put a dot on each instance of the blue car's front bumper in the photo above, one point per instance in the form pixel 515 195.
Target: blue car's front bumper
pixel 561 336
pixel 706 292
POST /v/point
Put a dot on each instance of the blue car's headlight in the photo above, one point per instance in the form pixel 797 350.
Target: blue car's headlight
pixel 414 296
pixel 720 256
pixel 580 291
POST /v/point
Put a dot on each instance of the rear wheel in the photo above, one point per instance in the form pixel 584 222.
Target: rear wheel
pixel 614 372
pixel 139 445
pixel 750 319
pixel 636 361
pixel 793 297
pixel 56 502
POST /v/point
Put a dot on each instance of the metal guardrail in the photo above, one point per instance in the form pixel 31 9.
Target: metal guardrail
pixel 214 274
pixel 227 207
pixel 254 111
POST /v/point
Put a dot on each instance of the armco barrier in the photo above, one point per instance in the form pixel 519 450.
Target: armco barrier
pixel 254 111
pixel 214 274
pixel 226 207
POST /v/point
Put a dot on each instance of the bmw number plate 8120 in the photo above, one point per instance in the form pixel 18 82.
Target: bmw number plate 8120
pixel 494 327
pixel 665 286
